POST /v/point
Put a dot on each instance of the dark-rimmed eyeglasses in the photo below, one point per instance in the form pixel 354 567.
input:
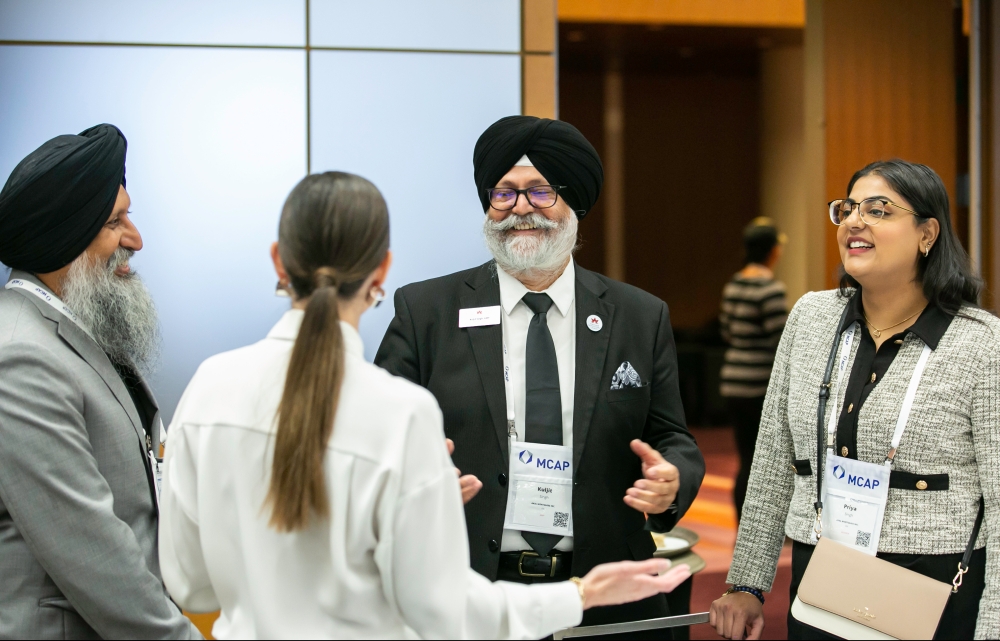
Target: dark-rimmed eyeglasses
pixel 539 196
pixel 871 210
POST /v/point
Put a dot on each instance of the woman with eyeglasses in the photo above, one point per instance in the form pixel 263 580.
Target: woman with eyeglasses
pixel 906 316
pixel 309 494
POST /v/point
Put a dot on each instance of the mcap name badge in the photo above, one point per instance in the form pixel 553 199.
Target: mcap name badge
pixel 479 316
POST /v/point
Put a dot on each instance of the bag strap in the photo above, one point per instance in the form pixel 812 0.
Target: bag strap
pixel 963 565
pixel 824 396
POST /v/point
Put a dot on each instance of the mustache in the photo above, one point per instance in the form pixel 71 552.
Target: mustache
pixel 121 257
pixel 510 221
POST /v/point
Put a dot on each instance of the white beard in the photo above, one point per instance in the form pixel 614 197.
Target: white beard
pixel 118 311
pixel 531 256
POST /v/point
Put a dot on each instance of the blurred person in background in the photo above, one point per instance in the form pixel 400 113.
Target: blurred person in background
pixel 753 315
pixel 532 353
pixel 906 316
pixel 309 493
pixel 79 427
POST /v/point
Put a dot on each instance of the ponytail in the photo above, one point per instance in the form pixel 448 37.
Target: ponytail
pixel 334 233
pixel 307 410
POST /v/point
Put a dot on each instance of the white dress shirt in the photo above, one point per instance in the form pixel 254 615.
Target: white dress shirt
pixel 392 559
pixel 561 319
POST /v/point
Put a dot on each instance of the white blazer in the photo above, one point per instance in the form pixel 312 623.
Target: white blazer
pixel 391 561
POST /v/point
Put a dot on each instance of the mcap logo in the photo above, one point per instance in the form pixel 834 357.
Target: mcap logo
pixel 525 457
pixel 838 472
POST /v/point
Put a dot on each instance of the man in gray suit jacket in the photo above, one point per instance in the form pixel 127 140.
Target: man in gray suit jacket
pixel 79 427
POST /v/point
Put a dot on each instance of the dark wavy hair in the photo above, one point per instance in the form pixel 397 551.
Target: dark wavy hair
pixel 945 274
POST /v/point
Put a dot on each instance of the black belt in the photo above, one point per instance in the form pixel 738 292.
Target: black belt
pixel 528 564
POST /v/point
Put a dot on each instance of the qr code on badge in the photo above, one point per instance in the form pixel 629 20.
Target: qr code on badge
pixel 560 519
pixel 863 539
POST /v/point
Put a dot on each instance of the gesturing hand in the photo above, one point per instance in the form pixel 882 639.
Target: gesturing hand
pixel 470 484
pixel 656 491
pixel 625 581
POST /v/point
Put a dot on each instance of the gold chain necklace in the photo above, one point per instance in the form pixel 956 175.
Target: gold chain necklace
pixel 878 332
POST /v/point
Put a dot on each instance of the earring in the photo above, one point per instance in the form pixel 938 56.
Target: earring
pixel 378 295
pixel 927 250
pixel 281 290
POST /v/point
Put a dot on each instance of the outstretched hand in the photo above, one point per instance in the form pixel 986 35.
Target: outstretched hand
pixel 469 484
pixel 657 490
pixel 627 581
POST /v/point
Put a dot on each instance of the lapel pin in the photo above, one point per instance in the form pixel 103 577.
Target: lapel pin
pixel 594 323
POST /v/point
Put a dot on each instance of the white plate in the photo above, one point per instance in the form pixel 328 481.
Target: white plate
pixel 672 544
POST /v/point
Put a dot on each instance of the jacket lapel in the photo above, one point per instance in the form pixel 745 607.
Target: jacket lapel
pixel 591 352
pixel 88 350
pixel 487 345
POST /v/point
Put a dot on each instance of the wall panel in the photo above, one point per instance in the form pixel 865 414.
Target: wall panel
pixel 216 141
pixel 404 24
pixel 890 96
pixel 412 134
pixel 214 22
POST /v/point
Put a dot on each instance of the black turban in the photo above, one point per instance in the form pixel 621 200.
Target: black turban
pixel 57 199
pixel 557 149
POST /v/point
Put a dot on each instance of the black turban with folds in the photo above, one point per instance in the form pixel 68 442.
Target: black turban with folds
pixel 57 199
pixel 557 149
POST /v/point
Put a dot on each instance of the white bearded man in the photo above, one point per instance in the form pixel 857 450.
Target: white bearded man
pixel 79 428
pixel 538 363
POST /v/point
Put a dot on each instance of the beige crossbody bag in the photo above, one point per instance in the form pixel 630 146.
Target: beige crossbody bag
pixel 854 595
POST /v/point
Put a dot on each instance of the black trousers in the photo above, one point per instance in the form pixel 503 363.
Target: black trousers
pixel 745 415
pixel 959 618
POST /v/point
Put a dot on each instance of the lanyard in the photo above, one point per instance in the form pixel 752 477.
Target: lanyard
pixel 904 412
pixel 49 298
pixel 508 387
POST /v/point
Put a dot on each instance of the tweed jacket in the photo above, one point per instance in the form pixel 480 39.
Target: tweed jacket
pixel 954 429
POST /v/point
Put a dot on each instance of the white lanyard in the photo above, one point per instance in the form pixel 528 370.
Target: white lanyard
pixel 49 298
pixel 904 412
pixel 508 387
pixel 855 493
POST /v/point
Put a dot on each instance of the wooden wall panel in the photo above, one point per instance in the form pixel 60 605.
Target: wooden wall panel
pixel 539 78
pixel 730 13
pixel 539 20
pixel 889 91
pixel 538 59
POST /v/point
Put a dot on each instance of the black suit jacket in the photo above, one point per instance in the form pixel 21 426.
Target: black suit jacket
pixel 463 368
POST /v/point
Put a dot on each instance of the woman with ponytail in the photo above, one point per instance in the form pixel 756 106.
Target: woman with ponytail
pixel 309 494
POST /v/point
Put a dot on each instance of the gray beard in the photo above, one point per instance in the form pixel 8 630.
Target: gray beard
pixel 117 310
pixel 527 257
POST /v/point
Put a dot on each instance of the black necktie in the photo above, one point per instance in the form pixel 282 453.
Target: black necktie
pixel 542 404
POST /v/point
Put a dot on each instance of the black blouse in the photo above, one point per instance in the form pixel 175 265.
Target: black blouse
pixel 871 365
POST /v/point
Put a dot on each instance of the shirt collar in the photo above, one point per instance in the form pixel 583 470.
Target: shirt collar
pixel 562 292
pixel 931 325
pixel 287 329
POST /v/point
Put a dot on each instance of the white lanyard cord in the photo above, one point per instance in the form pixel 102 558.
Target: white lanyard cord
pixel 845 354
pixel 911 393
pixel 49 298
pixel 904 412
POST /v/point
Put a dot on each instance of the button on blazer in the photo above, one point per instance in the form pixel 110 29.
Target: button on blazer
pixel 463 368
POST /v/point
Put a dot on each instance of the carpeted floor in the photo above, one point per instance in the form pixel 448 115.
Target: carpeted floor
pixel 713 517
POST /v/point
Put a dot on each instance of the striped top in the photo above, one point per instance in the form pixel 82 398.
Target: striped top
pixel 753 315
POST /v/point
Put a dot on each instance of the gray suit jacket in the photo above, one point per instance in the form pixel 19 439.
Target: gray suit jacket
pixel 78 521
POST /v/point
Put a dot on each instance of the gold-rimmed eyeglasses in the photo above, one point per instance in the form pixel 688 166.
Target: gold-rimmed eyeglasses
pixel 871 210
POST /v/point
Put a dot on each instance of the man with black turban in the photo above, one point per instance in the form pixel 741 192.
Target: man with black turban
pixel 79 428
pixel 558 385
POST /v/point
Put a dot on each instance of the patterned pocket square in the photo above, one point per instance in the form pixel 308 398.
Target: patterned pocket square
pixel 626 376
